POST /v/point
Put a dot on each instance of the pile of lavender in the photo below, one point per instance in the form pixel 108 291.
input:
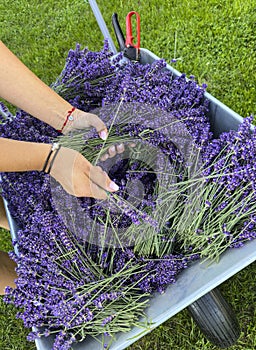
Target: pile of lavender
pixel 94 278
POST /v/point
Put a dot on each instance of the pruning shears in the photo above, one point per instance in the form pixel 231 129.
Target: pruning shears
pixel 130 49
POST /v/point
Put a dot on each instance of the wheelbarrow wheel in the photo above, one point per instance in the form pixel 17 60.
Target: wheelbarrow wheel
pixel 216 319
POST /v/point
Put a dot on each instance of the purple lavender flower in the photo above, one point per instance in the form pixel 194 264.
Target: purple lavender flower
pixel 55 265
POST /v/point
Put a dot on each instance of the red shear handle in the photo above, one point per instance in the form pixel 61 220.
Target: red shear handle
pixel 129 36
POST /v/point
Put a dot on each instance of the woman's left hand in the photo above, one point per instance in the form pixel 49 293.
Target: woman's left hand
pixel 82 120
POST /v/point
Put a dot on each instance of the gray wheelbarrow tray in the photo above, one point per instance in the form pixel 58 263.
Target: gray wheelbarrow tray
pixel 196 281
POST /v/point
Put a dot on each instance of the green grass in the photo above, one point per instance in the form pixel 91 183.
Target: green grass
pixel 214 40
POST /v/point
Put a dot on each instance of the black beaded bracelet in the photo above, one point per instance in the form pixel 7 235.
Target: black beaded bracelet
pixel 55 147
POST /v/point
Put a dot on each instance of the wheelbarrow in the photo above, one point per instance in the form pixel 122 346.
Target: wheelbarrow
pixel 196 287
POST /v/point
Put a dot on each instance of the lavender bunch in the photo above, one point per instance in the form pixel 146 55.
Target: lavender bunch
pixel 151 169
pixel 188 204
pixel 208 212
pixel 61 290
pixel 92 79
pixel 86 76
pixel 220 212
pixel 68 289
pixel 55 269
pixel 56 273
pixel 4 113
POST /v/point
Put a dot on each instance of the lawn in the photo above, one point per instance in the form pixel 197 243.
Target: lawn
pixel 212 39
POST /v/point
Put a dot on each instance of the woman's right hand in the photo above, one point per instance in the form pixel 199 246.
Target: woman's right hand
pixel 79 177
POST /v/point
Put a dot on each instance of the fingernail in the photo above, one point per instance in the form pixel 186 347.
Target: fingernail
pixel 103 135
pixel 104 157
pixel 113 186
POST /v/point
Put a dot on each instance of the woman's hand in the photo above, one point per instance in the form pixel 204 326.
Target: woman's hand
pixel 79 177
pixel 82 120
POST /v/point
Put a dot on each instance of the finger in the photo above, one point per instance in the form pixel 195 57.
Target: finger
pixel 100 178
pixel 97 123
pixel 112 151
pixel 90 189
pixel 104 157
pixel 120 148
pixel 94 173
pixel 82 185
pixel 97 192
pixel 132 144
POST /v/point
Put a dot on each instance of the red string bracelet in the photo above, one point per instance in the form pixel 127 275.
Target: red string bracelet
pixel 68 117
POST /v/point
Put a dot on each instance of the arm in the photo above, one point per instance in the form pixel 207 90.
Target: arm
pixel 22 88
pixel 22 156
pixel 76 175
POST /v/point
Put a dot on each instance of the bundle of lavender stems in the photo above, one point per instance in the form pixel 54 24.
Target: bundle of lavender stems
pixel 88 267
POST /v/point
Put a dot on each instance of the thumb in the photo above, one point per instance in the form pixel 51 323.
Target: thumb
pixel 83 120
pixel 94 121
pixel 100 178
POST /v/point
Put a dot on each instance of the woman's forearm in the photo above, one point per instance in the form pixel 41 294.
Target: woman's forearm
pixel 22 156
pixel 22 88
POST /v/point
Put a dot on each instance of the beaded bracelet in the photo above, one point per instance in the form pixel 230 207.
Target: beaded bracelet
pixel 69 117
pixel 55 148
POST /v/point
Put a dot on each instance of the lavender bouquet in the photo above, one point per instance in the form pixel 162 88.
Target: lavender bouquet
pixel 87 267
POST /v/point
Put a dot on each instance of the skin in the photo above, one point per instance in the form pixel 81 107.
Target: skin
pixel 22 88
